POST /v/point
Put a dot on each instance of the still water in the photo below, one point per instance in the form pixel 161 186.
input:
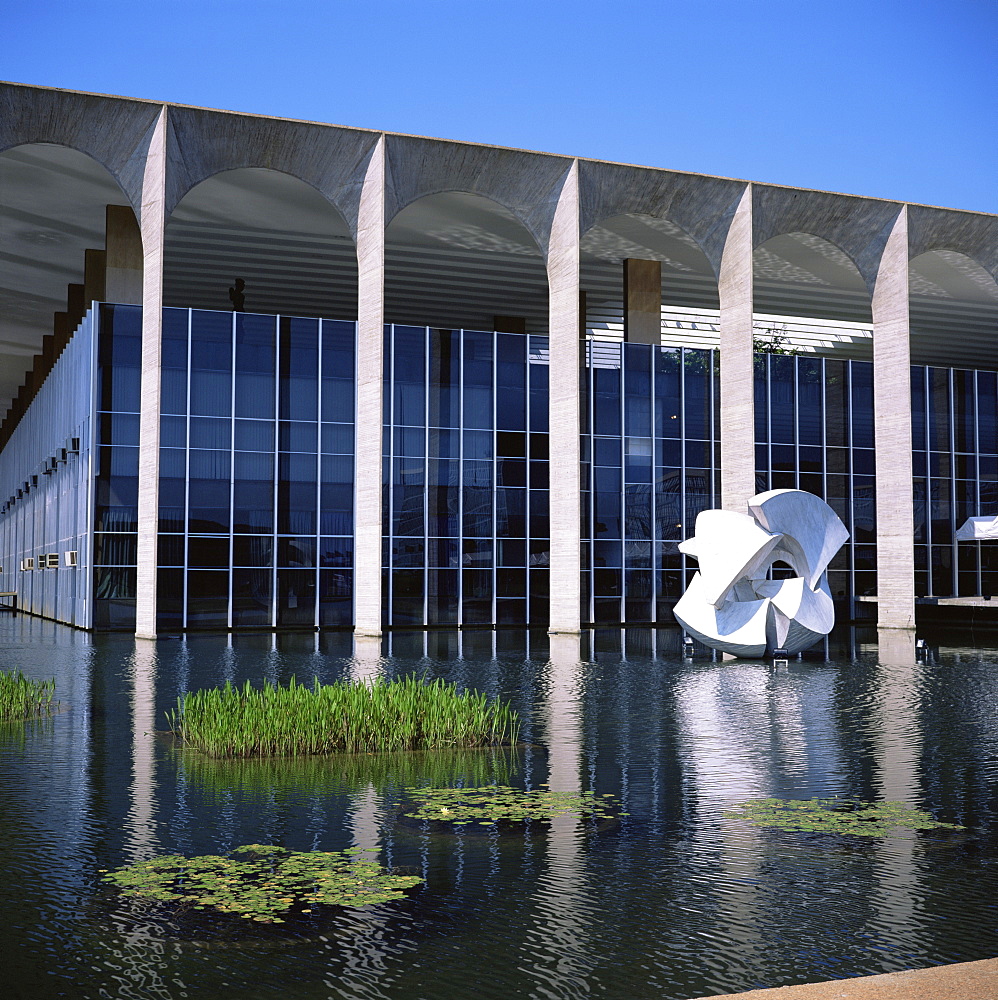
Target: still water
pixel 677 900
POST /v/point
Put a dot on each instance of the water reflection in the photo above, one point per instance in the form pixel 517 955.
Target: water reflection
pixel 678 900
pixel 140 820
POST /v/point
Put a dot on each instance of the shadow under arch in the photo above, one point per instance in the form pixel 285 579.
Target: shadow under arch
pixel 800 276
pixel 953 310
pixel 53 209
pixel 287 242
pixel 457 259
pixel 689 283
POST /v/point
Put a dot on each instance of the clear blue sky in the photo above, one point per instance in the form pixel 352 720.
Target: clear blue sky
pixel 891 98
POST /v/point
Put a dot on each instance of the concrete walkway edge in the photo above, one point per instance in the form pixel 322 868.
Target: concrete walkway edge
pixel 963 981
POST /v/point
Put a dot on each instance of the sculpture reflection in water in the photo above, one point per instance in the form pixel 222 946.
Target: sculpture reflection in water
pixel 732 605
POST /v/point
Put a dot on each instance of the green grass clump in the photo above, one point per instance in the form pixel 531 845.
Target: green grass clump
pixel 21 698
pixel 841 816
pixel 345 717
pixel 263 883
pixel 497 803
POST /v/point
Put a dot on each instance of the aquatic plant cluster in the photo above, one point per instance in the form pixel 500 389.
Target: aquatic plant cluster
pixel 497 803
pixel 840 816
pixel 21 698
pixel 263 883
pixel 344 717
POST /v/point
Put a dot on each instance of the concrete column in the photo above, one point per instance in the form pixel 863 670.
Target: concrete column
pixel 642 301
pixel 370 376
pixel 153 223
pixel 123 256
pixel 564 408
pixel 75 307
pixel 737 389
pixel 892 434
pixel 93 276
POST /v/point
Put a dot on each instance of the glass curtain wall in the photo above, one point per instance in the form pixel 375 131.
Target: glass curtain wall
pixel 45 491
pixel 466 533
pixel 650 465
pixel 814 432
pixel 119 368
pixel 955 460
pixel 256 471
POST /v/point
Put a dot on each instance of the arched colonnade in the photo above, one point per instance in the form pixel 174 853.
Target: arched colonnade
pixel 158 155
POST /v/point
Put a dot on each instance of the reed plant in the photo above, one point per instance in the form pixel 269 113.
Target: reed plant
pixel 344 717
pixel 21 698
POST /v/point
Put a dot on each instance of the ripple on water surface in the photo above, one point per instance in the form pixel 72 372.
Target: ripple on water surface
pixel 678 899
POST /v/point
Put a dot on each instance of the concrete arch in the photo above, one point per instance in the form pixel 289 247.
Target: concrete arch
pixel 116 134
pixel 973 235
pixel 948 288
pixel 802 273
pixel 702 207
pixel 859 227
pixel 439 248
pixel 688 281
pixel 527 185
pixel 280 234
pixel 331 159
pixel 53 212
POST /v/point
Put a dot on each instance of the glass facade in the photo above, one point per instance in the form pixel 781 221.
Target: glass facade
pixel 814 432
pixel 46 491
pixel 466 532
pixel 955 465
pixel 649 465
pixel 256 485
pixel 256 471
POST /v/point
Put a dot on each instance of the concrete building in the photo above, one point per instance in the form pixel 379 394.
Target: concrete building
pixel 344 378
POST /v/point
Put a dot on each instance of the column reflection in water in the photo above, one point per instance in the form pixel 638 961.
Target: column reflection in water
pixel 897 743
pixel 363 953
pixel 365 667
pixel 140 823
pixel 562 933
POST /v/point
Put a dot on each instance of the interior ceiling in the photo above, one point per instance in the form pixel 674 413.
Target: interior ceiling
pixel 52 206
pixel 452 259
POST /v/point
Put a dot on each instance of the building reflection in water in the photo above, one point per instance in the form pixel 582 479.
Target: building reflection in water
pixel 898 748
pixel 562 931
pixel 140 821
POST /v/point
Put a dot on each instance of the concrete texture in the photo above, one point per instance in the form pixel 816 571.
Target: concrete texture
pixel 642 301
pixel 564 410
pixel 737 375
pixel 963 981
pixel 152 223
pixel 892 434
pixel 122 256
pixel 370 395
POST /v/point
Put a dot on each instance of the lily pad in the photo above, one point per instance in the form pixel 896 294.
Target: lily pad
pixel 504 805
pixel 261 882
pixel 842 816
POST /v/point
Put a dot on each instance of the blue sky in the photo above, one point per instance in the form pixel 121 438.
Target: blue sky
pixel 890 98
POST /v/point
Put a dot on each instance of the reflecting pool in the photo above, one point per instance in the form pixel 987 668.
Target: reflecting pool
pixel 676 900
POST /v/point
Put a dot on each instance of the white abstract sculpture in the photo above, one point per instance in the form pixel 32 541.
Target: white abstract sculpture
pixel 731 606
pixel 978 529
